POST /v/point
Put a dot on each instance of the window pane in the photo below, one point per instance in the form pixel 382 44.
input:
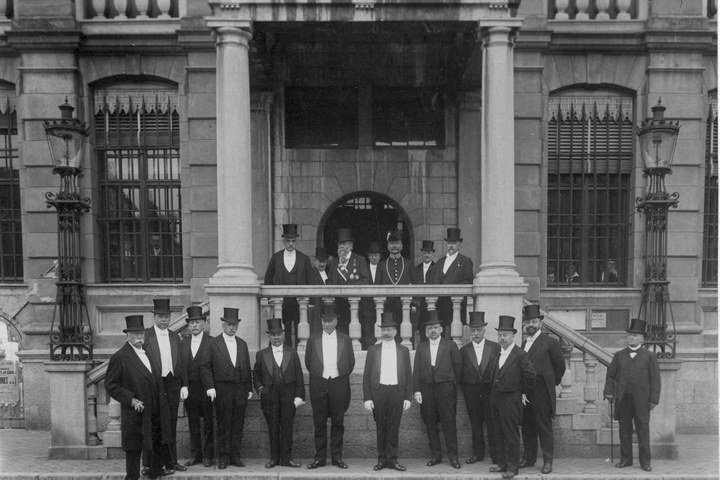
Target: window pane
pixel 321 117
pixel 710 218
pixel 11 253
pixel 408 117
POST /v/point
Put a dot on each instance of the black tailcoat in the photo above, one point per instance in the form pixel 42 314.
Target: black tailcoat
pixel 460 272
pixel 197 404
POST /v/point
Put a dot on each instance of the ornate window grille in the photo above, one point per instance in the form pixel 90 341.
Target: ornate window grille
pixel 137 143
pixel 11 253
pixel 590 161
pixel 710 217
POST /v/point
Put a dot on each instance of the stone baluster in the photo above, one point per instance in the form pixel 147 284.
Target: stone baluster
pixel 567 379
pixel 602 10
pixel 456 327
pixel 277 303
pixel 92 423
pixel 379 308
pixel 582 6
pixel 623 7
pixel 355 330
pixel 303 332
pixel 591 389
pixel 142 8
pixel 562 6
pixel 121 7
pixel 112 436
pixel 431 303
pixel 406 325
pixel 99 9
pixel 164 7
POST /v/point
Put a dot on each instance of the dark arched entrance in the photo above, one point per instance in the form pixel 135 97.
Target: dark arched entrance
pixel 370 216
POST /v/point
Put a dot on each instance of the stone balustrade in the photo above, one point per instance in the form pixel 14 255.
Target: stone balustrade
pixel 597 10
pixel 122 10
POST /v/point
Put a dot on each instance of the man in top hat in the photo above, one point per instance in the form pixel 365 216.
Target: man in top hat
pixel 133 380
pixel 366 310
pixel 454 268
pixel 436 374
pixel 278 379
pixel 290 267
pixel 478 361
pixel 387 390
pixel 329 359
pixel 348 268
pixel 424 274
pixel 321 278
pixel 395 270
pixel 163 346
pixel 197 404
pixel 546 356
pixel 513 379
pixel 633 384
pixel 227 380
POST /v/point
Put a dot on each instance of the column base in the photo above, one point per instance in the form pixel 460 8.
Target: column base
pixel 500 295
pixel 235 274
pixel 78 452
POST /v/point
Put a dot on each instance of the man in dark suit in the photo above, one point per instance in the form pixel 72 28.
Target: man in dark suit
pixel 278 379
pixel 163 347
pixel 387 390
pixel 226 378
pixel 347 269
pixel 478 361
pixel 133 380
pixel 546 356
pixel 633 384
pixel 424 274
pixel 320 278
pixel 329 359
pixel 513 379
pixel 366 310
pixel 395 270
pixel 454 268
pixel 290 267
pixel 436 374
pixel 197 405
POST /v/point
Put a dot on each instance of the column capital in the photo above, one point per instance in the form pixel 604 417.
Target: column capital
pixel 497 33
pixel 231 31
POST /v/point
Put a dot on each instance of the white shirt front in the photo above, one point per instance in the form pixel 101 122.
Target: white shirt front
pixel 388 363
pixel 373 270
pixel 329 351
pixel 479 348
pixel 289 260
pixel 231 346
pixel 633 351
pixel 449 259
pixel 163 338
pixel 434 344
pixel 143 356
pixel 278 354
pixel 529 341
pixel 504 352
pixel 426 267
pixel 195 343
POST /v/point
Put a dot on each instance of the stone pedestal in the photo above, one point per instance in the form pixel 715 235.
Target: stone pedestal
pixel 663 418
pixel 68 412
pixel 500 296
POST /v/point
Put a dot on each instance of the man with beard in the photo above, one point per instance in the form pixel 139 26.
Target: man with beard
pixel 546 356
pixel 513 379
pixel 424 274
pixel 454 268
pixel 387 390
pixel 348 268
pixel 395 270
pixel 278 379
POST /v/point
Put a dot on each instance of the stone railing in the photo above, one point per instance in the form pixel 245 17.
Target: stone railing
pixel 597 10
pixel 123 10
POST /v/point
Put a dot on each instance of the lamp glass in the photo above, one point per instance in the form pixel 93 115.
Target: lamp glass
pixel 67 145
pixel 657 146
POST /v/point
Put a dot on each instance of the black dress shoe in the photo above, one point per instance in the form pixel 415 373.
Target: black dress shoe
pixel 474 459
pixel 179 468
pixel 379 466
pixel 340 464
pixel 315 464
pixel 208 462
pixel 524 463
pixel 647 468
pixel 291 463
pixel 497 469
pixel 455 463
pixel 434 462
pixel 163 472
pixel 194 461
pixel 623 464
pixel 271 464
pixel 237 463
pixel 508 475
pixel 222 465
pixel 398 467
pixel 144 471
pixel 547 468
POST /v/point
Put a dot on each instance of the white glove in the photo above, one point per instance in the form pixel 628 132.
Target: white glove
pixel 406 404
pixel 183 393
pixel 298 401
pixel 418 397
pixel 369 405
pixel 211 393
pixel 524 399
pixel 249 395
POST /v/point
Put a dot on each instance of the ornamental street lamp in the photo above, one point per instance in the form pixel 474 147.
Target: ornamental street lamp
pixel 657 138
pixel 71 339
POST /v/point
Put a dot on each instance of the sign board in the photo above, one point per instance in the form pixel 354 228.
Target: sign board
pixel 9 392
pixel 598 320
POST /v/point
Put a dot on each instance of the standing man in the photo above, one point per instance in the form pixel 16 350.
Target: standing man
pixel 478 362
pixel 290 267
pixel 395 270
pixel 454 268
pixel 321 278
pixel 278 379
pixel 329 359
pixel 387 390
pixel 633 384
pixel 197 404
pixel 513 379
pixel 226 377
pixel 133 380
pixel 436 373
pixel 424 274
pixel 163 347
pixel 546 357
pixel 347 269
pixel 367 311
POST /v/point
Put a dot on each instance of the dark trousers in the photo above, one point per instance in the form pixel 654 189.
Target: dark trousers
pixel 440 405
pixel 477 402
pixel 342 310
pixel 329 398
pixel 231 402
pixel 445 313
pixel 506 412
pixel 626 416
pixel 199 407
pixel 388 401
pixel 168 454
pixel 278 407
pixel 155 458
pixel 418 321
pixel 537 422
pixel 291 319
pixel 367 316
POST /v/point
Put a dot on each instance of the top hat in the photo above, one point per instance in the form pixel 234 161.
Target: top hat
pixel 477 319
pixel 428 246
pixel 320 253
pixel 290 230
pixel 388 320
pixel 395 236
pixel 230 315
pixel 432 318
pixel 275 325
pixel 374 248
pixel 134 323
pixel 344 235
pixel 328 312
pixel 453 235
pixel 505 323
pixel 194 313
pixel 530 312
pixel 161 306
pixel 637 326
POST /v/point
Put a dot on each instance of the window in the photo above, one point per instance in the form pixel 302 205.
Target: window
pixel 137 146
pixel 11 254
pixel 590 160
pixel 408 117
pixel 710 218
pixel 321 117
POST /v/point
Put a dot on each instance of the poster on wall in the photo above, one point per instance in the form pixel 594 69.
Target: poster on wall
pixel 9 392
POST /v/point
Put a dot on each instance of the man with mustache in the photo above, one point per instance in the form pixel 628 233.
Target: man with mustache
pixel 348 268
pixel 395 270
pixel 454 268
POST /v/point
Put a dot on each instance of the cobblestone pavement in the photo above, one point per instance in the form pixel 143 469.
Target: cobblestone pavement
pixel 23 456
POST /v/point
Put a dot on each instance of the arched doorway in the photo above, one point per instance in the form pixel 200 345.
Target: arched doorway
pixel 370 216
